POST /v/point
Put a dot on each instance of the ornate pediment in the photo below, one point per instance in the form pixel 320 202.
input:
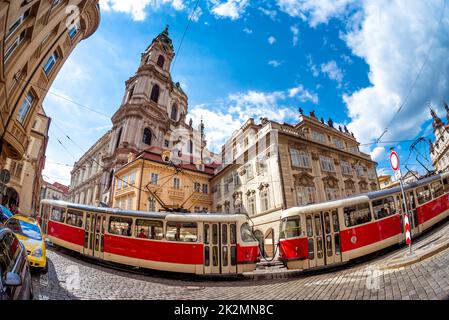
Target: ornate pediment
pixel 263 186
pixel 304 179
pixel 250 192
pixel 330 182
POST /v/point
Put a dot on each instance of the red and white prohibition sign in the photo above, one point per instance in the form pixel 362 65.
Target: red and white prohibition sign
pixel 394 161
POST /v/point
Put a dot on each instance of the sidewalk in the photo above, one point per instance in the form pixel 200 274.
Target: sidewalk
pixel 425 247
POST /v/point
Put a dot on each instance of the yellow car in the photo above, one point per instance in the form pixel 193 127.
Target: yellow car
pixel 29 233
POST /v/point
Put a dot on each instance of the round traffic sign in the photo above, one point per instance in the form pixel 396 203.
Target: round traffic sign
pixel 394 161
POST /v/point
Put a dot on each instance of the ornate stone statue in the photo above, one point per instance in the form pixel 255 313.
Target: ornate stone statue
pixel 330 122
pixel 312 114
pixel 301 111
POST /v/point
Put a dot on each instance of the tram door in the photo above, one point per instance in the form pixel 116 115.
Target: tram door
pixel 323 232
pixel 220 248
pixel 94 235
pixel 414 223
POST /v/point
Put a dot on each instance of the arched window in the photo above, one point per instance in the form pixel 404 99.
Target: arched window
pixel 174 112
pixel 161 61
pixel 155 93
pixel 147 136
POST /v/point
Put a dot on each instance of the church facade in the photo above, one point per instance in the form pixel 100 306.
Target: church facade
pixel 439 149
pixel 152 114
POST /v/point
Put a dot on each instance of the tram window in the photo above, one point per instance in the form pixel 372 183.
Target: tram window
pixel 357 214
pixel 224 234
pixel 423 194
pixel 329 245
pixel 337 244
pixel 182 231
pixel 207 256
pixel 318 225
pixel 446 184
pixel 233 256
pixel 149 229
pixel 75 218
pixel 290 227
pixel 215 234
pixel 335 221
pixel 246 233
pixel 120 226
pixel 215 256
pixel 437 189
pixel 311 249
pixel 309 226
pixel 384 208
pixel 206 234
pixel 233 233
pixel 58 215
pixel 327 223
pixel 225 256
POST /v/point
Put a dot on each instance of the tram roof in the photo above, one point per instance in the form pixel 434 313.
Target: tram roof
pixel 357 199
pixel 171 216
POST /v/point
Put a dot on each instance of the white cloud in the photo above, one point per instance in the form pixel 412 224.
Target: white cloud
pixel 232 9
pixel 379 154
pixel 394 38
pixel 271 39
pixel 247 31
pixel 275 63
pixel 295 30
pixel 312 67
pixel 314 11
pixel 303 94
pixel 137 8
pixel 332 70
pixel 270 13
pixel 195 16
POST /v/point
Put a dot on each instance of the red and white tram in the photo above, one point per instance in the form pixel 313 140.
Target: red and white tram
pixel 335 232
pixel 188 243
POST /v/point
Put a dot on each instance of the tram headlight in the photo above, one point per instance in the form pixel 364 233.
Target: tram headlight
pixel 37 253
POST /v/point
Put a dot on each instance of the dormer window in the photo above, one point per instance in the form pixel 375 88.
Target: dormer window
pixel 161 61
pixel 155 93
pixel 174 112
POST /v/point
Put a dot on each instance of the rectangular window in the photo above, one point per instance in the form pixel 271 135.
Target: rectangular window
pixel 306 195
pixel 130 203
pixel 356 215
pixel 346 167
pixel 237 181
pixel 17 23
pixel 318 136
pixel 360 171
pixel 182 231
pixel 290 228
pixel 120 226
pixel 58 215
pixel 119 184
pixel 151 204
pixel 24 109
pixel 249 171
pixel 19 39
pixel 300 158
pixel 252 205
pixel 75 218
pixel 197 187
pixel 339 144
pixel 437 189
pixel 327 164
pixel 51 62
pixel 154 178
pixel 149 229
pixel 73 31
pixel 132 179
pixel 424 194
pixel 176 183
pixel 205 188
pixel 383 208
pixel 264 200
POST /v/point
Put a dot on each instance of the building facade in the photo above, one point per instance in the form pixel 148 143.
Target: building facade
pixel 439 148
pixel 152 114
pixel 38 38
pixel 54 191
pixel 26 175
pixel 275 166
pixel 151 182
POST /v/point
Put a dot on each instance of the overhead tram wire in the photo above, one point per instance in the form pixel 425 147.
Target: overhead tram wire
pixel 184 34
pixel 417 76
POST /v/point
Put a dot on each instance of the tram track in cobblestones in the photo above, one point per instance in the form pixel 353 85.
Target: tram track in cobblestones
pixel 163 275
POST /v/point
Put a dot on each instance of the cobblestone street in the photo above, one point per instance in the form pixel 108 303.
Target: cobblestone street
pixel 424 280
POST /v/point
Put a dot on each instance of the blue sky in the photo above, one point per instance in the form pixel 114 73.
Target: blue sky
pixel 353 61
